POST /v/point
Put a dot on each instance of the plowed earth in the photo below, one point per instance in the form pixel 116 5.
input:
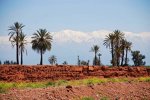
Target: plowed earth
pixel 113 91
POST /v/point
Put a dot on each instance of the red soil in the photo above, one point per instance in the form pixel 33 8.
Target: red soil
pixel 67 72
pixel 113 91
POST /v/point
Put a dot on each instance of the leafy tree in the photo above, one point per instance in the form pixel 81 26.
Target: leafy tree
pixel 138 58
pixel 95 49
pixel 52 59
pixel 15 30
pixel 0 62
pixel 41 42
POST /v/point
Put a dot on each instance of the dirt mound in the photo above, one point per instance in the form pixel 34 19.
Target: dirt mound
pixel 113 91
pixel 67 72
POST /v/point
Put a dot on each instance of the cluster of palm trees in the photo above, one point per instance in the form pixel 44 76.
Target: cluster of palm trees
pixel 18 38
pixel 119 47
pixel 41 41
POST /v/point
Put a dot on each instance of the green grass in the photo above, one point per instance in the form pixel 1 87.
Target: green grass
pixel 104 98
pixel 87 98
pixel 145 79
pixel 5 86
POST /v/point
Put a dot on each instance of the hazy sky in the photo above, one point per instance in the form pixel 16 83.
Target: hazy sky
pixel 76 25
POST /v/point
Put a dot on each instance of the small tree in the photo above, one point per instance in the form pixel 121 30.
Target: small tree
pixel 95 49
pixel 0 62
pixel 52 60
pixel 138 58
pixel 83 62
pixel 65 63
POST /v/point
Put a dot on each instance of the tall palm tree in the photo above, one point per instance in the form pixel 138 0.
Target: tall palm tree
pixel 41 42
pixel 123 44
pixel 127 48
pixel 52 59
pixel 95 49
pixel 22 43
pixel 15 30
pixel 118 37
pixel 109 42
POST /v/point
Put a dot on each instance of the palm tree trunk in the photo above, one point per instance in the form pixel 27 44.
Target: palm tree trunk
pixel 99 60
pixel 95 58
pixel 118 60
pixel 17 47
pixel 122 59
pixel 126 58
pixel 41 61
pixel 112 53
pixel 117 55
pixel 21 56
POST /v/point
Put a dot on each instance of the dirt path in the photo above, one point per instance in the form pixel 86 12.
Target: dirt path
pixel 113 91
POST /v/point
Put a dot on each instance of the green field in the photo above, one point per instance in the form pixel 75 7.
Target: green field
pixel 6 86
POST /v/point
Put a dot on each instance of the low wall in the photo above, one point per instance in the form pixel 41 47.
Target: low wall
pixel 67 72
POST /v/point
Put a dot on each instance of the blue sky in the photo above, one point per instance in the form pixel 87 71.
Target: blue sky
pixel 79 17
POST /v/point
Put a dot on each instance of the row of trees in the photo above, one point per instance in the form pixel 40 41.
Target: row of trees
pixel 42 39
pixel 8 62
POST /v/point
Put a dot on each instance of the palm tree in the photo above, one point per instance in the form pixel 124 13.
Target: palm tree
pixel 52 59
pixel 15 30
pixel 22 43
pixel 109 42
pixel 127 48
pixel 41 42
pixel 118 37
pixel 95 49
pixel 123 44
